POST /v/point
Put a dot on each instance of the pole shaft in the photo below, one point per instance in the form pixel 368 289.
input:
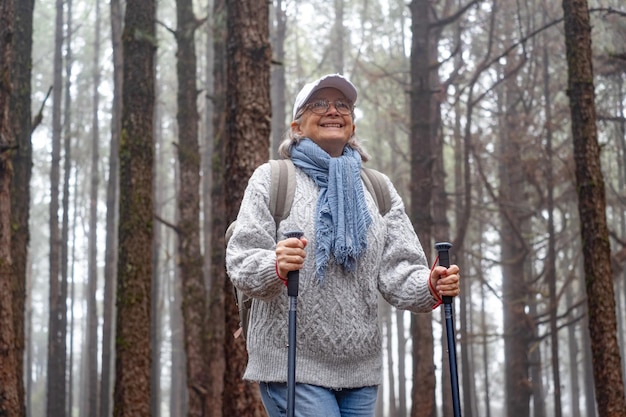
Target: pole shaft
pixel 444 260
pixel 293 282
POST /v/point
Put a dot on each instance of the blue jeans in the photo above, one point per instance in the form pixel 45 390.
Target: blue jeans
pixel 314 401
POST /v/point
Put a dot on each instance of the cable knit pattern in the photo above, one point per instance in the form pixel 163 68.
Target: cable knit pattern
pixel 338 337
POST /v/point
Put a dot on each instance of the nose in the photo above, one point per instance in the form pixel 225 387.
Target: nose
pixel 331 105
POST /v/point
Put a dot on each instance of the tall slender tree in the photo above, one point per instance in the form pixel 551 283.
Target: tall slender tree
pixel 607 366
pixel 91 347
pixel 134 279
pixel 65 201
pixel 247 146
pixel 112 198
pixel 278 82
pixel 421 157
pixel 56 386
pixel 517 324
pixel 217 329
pixel 189 252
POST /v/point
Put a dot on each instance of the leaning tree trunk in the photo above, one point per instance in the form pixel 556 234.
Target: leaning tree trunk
pixel 247 146
pixel 607 367
pixel 132 341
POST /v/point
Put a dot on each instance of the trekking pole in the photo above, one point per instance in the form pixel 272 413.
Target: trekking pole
pixel 293 281
pixel 444 260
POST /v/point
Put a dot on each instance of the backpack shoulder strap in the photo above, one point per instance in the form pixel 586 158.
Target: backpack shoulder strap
pixel 282 188
pixel 377 186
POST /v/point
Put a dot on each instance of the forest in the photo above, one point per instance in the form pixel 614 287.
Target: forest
pixel 129 129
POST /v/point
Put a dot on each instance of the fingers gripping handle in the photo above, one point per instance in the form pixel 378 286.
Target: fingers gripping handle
pixel 443 249
pixel 293 277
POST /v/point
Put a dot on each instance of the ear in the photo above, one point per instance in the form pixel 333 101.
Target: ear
pixel 295 127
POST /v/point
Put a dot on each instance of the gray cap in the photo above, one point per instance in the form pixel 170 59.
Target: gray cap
pixel 337 81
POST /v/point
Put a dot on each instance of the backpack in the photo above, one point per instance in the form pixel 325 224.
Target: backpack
pixel 282 190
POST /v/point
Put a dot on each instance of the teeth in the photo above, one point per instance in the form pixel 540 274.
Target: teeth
pixel 331 125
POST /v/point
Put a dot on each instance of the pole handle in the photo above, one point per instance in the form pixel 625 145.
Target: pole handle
pixel 293 277
pixel 443 249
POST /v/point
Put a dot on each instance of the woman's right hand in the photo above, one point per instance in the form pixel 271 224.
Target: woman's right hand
pixel 290 255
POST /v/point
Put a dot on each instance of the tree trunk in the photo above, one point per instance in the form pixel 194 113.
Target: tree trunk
pixel 132 342
pixel 158 190
pixel 338 38
pixel 400 331
pixel 551 275
pixel 518 327
pixel 607 364
pixel 10 380
pixel 190 255
pixel 22 170
pixel 573 350
pixel 56 382
pixel 65 222
pixel 247 146
pixel 206 134
pixel 112 198
pixel 423 392
pixel 217 334
pixel 178 387
pixel 278 83
pixel 91 386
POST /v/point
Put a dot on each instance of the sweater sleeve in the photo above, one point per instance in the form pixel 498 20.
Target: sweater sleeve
pixel 404 270
pixel 251 250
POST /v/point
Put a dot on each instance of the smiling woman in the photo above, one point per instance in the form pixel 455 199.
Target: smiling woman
pixel 348 254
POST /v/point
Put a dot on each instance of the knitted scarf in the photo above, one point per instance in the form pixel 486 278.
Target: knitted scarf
pixel 342 215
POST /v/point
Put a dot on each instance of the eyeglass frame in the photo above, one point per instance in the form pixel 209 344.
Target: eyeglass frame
pixel 307 106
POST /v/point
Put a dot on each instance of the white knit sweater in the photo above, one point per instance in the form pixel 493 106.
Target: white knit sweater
pixel 338 336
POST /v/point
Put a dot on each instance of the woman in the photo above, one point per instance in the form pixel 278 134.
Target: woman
pixel 348 255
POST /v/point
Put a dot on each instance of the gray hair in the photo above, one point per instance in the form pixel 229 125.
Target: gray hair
pixel 291 139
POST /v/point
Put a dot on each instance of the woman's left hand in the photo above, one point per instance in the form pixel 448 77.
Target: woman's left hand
pixel 445 281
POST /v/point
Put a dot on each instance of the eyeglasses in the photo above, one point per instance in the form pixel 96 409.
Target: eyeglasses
pixel 322 106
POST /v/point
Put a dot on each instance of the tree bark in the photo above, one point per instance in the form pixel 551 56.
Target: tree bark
pixel 216 329
pixel 56 383
pixel 112 198
pixel 607 366
pixel 278 82
pixel 247 146
pixel 421 157
pixel 22 172
pixel 91 385
pixel 189 252
pixel 10 381
pixel 132 342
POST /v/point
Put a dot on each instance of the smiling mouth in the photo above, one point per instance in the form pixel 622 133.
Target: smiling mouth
pixel 337 125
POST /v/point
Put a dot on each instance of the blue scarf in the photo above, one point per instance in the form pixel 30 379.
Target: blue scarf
pixel 342 215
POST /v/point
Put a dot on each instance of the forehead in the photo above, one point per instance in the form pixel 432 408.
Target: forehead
pixel 328 93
